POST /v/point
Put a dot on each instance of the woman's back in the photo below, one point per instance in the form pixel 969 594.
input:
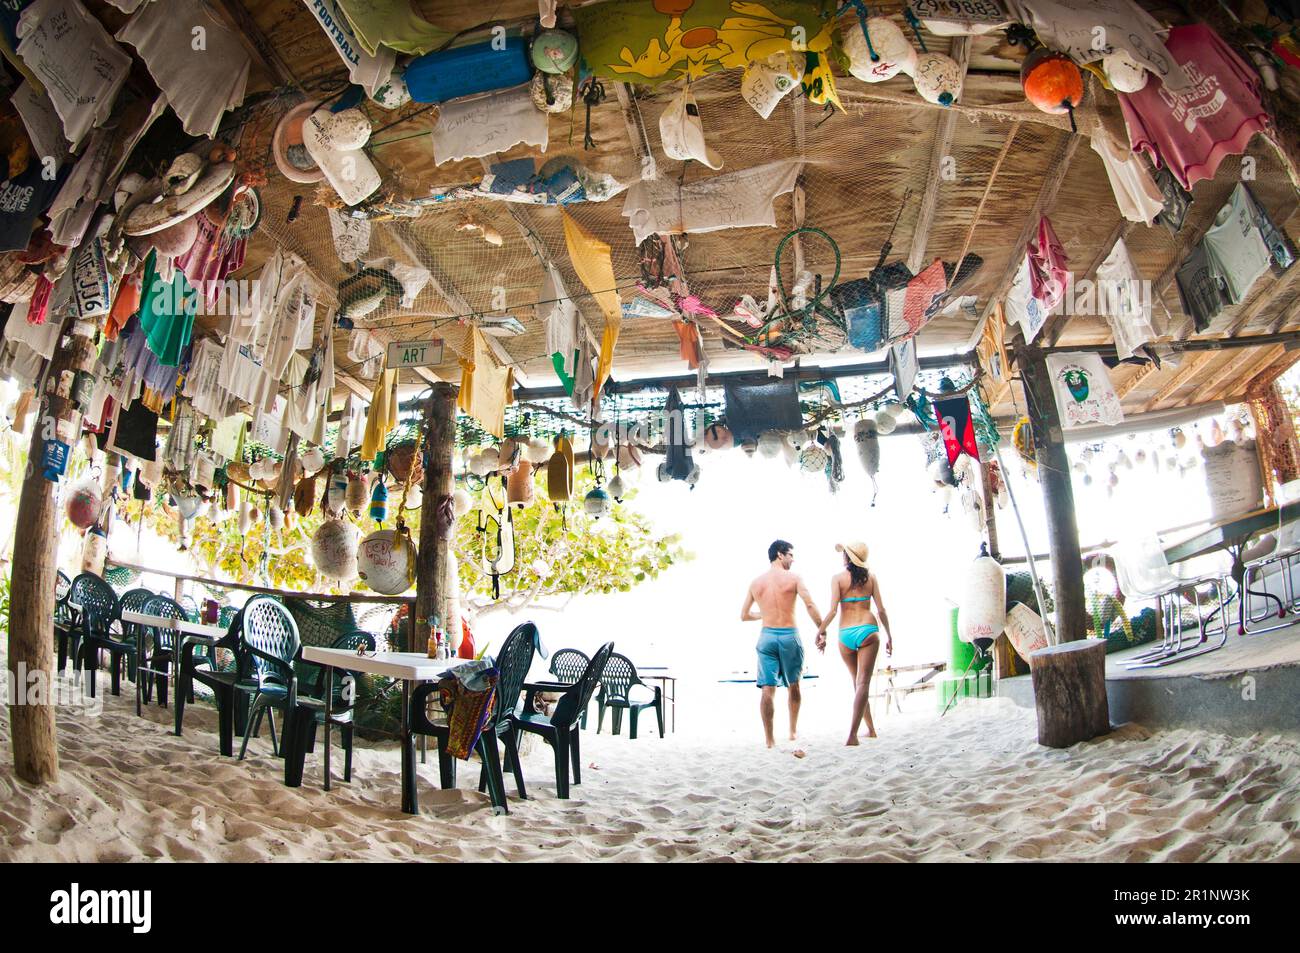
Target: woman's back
pixel 855 600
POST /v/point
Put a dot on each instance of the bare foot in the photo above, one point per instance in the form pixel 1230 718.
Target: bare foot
pixel 771 743
pixel 871 734
pixel 851 743
pixel 793 737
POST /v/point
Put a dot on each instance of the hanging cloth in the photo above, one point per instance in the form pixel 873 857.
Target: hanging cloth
pixel 485 387
pixel 382 417
pixel 591 261
pixel 1048 268
pixel 167 309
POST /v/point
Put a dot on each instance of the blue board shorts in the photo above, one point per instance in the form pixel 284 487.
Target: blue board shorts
pixel 780 657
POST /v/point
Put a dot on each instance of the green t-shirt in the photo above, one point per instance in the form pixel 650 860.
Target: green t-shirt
pixel 167 310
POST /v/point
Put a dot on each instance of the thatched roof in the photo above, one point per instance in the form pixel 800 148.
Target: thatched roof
pixel 864 169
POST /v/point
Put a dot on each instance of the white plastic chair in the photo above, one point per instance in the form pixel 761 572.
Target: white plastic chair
pixel 1144 572
pixel 1278 547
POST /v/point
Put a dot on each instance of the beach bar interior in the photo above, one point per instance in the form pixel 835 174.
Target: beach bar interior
pixel 344 341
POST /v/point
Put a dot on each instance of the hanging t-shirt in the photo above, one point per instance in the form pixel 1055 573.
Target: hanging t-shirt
pixel 210 260
pixel 72 208
pixel 485 387
pixel 22 200
pixel 201 84
pixel 1235 247
pixel 732 200
pixel 366 70
pixel 1191 130
pixel 392 23
pixel 44 127
pixel 203 382
pixel 487 124
pixel 1198 288
pixel 1048 269
pixel 1279 244
pixel 1121 300
pixel 1083 391
pixel 167 310
pixel 75 59
pixel 1137 196
pixel 559 315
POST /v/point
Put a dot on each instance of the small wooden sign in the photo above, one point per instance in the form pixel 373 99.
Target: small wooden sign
pixel 415 353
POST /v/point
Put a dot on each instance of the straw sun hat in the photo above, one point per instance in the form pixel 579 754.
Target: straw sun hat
pixel 857 553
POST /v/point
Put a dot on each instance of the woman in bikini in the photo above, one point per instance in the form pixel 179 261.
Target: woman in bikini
pixel 852 592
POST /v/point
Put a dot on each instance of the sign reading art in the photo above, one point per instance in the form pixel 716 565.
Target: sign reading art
pixel 415 353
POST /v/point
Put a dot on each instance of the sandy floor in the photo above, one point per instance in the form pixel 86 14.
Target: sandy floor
pixel 972 786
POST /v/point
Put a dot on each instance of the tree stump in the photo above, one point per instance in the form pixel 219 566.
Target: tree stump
pixel 1070 692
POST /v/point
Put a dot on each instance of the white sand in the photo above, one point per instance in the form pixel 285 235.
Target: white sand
pixel 973 786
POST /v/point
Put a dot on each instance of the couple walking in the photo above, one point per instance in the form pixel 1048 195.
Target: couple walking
pixel 780 650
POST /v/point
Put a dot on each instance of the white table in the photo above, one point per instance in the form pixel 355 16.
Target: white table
pixel 187 631
pixel 407 667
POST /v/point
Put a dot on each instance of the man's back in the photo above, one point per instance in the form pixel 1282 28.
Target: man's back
pixel 775 591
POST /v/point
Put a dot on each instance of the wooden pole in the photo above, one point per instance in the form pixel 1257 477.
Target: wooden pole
pixel 1058 499
pixel 990 517
pixel 431 563
pixel 31 606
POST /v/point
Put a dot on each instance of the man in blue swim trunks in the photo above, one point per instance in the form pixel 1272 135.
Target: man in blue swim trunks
pixel 780 650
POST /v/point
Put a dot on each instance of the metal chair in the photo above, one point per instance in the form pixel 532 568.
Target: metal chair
pixel 617 683
pixel 269 645
pixel 1279 547
pixel 1144 573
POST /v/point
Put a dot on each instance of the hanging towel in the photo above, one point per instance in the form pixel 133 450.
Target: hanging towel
pixel 382 417
pixel 590 258
pixel 485 387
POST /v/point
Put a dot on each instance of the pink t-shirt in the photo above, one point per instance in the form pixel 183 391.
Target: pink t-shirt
pixel 1192 130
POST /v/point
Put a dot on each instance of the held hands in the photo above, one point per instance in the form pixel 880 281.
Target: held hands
pixel 820 640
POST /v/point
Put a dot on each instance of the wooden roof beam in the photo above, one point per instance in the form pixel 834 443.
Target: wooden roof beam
pixel 1183 375
pixel 1261 303
pixel 1134 382
pixel 940 152
pixel 1234 365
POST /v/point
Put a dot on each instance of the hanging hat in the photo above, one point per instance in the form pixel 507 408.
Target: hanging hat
pixel 877 50
pixel 291 156
pixel 857 553
pixel 334 140
pixel 682 133
pixel 766 82
pixel 554 51
pixel 559 472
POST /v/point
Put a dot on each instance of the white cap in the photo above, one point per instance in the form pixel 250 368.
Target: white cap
pixel 767 81
pixel 682 134
pixel 334 140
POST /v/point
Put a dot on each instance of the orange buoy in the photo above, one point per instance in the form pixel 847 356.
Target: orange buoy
pixel 1052 82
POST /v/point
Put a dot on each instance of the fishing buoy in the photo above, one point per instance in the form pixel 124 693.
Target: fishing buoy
pixel 770 443
pixel 357 492
pixel 386 562
pixel 983 612
pixel 937 78
pixel 519 485
pixel 813 459
pixel 312 460
pixel 865 436
pixel 596 503
pixel 85 502
pixel 379 502
pixel 537 451
pixel 1124 73
pixel 245 517
pixel 276 517
pixel 885 422
pixel 1052 82
pixel 877 49
pixel 336 494
pixel 718 437
pixel 304 495
pixel 461 501
pixel 617 488
pixel 334 550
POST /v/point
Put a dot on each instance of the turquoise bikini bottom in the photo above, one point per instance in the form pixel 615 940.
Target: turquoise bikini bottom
pixel 856 636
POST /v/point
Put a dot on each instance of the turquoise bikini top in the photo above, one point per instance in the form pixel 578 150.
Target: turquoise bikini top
pixel 856 599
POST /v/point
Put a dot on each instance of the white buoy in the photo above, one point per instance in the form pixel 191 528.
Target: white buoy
pixel 983 612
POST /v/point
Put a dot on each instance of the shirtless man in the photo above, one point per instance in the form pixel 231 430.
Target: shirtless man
pixel 780 651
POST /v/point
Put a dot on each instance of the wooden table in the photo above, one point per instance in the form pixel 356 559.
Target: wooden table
pixel 189 633
pixel 408 667
pixel 1233 535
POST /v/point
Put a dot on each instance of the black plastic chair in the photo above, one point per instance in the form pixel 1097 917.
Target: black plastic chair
pixel 269 645
pixel 513 662
pixel 567 665
pixel 311 700
pixel 560 728
pixel 616 684
pixel 156 648
pixel 209 669
pixel 133 600
pixel 190 607
pixel 66 633
pixel 99 609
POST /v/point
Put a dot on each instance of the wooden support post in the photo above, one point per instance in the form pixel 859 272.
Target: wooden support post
pixel 1070 692
pixel 431 562
pixel 31 599
pixel 1058 499
pixel 990 517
